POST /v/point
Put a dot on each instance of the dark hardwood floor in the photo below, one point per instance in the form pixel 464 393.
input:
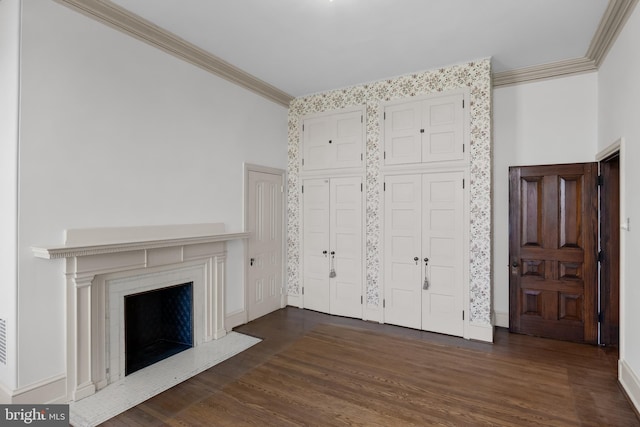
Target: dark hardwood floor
pixel 316 369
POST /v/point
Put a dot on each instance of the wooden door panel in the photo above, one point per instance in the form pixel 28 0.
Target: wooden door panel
pixel 553 225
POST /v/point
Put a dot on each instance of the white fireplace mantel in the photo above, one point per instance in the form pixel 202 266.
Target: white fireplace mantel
pixel 92 256
pixel 98 241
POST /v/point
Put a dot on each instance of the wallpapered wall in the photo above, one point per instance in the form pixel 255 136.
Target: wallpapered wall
pixel 474 75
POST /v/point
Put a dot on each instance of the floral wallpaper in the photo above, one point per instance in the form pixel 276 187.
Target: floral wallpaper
pixel 476 76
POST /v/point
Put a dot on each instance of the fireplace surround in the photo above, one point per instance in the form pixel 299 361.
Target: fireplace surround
pixel 103 265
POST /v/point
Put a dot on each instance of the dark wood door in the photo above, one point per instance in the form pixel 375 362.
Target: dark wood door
pixel 553 252
pixel 610 247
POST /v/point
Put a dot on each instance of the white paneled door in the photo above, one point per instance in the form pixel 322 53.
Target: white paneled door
pixel 332 248
pixel 264 222
pixel 424 251
pixel 442 247
pixel 402 250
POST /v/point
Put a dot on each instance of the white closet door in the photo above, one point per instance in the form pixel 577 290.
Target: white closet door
pixel 443 124
pixel 402 137
pixel 402 274
pixel 347 140
pixel 442 244
pixel 315 227
pixel 346 242
pixel 317 152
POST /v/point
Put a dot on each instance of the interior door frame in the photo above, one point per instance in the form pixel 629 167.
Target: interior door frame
pixel 250 167
pixel 617 148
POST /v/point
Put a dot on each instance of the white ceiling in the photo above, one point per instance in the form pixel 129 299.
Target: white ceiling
pixel 309 46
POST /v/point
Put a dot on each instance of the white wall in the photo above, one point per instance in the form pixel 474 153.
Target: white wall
pixel 9 88
pixel 117 133
pixel 619 116
pixel 546 122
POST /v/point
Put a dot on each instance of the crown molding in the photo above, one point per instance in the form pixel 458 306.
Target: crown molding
pixel 121 19
pixel 544 71
pixel 614 18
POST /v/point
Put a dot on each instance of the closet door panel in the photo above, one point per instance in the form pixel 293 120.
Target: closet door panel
pixel 442 244
pixel 442 121
pixel 402 230
pixel 346 243
pixel 348 140
pixel 402 138
pixel 317 152
pixel 316 238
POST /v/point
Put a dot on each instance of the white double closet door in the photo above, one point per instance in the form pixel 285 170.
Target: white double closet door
pixel 332 242
pixel 423 240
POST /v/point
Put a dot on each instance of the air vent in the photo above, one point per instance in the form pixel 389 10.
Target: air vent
pixel 3 341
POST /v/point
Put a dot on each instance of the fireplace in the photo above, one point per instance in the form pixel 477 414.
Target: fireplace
pixel 157 325
pixel 105 267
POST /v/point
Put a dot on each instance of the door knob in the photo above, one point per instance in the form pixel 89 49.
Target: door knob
pixel 251 261
pixel 426 261
pixel 514 267
pixel 515 264
pixel 416 260
pixel 324 253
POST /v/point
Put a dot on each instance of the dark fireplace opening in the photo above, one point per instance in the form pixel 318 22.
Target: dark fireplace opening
pixel 158 324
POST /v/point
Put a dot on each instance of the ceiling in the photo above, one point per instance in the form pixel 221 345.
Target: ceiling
pixel 300 47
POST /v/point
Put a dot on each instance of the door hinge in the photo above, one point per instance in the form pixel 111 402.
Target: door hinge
pixel 303 290
pixel 384 116
pixel 600 180
pixel 463 103
pixel 361 118
pixel 600 317
pixel 303 127
pixel 303 161
pixel 463 148
pixel 384 303
pixel 303 189
pixel 462 314
pixel 361 187
pixel 384 186
pixel 361 157
pixel 463 183
pixel 361 300
pixel 384 154
pixel 600 256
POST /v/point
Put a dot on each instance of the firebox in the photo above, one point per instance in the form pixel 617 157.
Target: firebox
pixel 158 324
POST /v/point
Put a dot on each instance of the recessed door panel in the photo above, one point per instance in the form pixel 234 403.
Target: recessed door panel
pixel 348 140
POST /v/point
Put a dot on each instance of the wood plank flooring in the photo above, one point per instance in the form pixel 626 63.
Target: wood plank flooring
pixel 319 370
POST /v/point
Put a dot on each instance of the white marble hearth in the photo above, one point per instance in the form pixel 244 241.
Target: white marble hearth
pixel 105 264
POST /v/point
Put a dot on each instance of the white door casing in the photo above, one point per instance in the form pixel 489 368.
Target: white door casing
pixel 265 291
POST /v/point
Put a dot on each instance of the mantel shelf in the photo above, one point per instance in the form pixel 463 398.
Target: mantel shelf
pixel 84 249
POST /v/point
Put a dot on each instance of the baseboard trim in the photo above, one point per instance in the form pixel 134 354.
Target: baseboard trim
pixel 630 383
pixel 501 319
pixel 235 319
pixel 49 391
pixel 480 332
pixel 294 301
pixel 5 396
